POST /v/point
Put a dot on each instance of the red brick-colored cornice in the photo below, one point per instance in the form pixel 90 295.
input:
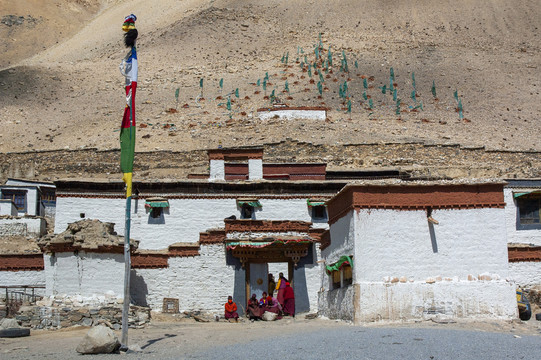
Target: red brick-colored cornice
pixel 415 197
pixel 20 262
pixel 524 253
pixel 235 154
pixel 266 226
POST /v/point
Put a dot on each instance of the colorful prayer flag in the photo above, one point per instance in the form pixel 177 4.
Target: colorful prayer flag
pixel 129 69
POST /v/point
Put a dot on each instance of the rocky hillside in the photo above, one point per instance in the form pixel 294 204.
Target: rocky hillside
pixel 60 89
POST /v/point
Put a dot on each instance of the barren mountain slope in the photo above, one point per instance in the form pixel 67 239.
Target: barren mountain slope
pixel 70 95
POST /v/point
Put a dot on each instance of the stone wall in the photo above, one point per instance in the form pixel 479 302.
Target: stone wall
pixel 422 159
pixel 24 226
pixel 62 316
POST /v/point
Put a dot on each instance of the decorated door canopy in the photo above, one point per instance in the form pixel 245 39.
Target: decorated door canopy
pixel 344 260
pixel 279 249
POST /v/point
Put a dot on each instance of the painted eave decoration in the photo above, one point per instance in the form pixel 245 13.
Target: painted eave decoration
pixel 519 194
pixel 312 202
pixel 344 260
pixel 250 202
pixel 156 203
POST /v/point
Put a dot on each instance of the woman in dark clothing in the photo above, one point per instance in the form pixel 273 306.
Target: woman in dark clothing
pixel 253 309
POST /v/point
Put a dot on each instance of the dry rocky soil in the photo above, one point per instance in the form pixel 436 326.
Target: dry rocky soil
pixel 60 88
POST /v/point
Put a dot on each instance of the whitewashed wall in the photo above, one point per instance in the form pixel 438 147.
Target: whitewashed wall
pixel 85 274
pixel 392 243
pixel 200 283
pixel 342 240
pixel 417 300
pixel 408 270
pixel 9 278
pixel 255 169
pixel 530 236
pixel 525 274
pixel 25 226
pixel 338 303
pixel 183 222
pixel 7 207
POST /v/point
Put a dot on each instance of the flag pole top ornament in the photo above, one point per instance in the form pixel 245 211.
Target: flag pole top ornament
pixel 129 22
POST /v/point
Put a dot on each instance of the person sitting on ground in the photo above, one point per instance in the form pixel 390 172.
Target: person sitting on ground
pixel 263 300
pixel 253 309
pixel 273 307
pixel 289 300
pixel 231 309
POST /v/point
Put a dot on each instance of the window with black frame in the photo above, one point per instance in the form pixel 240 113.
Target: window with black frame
pixel 528 210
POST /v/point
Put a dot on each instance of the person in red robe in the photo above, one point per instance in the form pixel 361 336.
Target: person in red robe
pixel 231 309
pixel 253 309
pixel 289 300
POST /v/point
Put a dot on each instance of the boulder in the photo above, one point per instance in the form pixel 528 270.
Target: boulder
pixel 9 324
pixel 99 340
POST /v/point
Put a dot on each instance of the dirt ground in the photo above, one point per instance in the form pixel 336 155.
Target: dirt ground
pixel 189 336
pixel 60 87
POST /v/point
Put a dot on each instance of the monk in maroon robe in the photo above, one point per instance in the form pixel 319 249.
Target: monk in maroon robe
pixel 289 300
pixel 253 309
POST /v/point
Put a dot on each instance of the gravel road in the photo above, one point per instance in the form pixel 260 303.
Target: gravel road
pixel 298 339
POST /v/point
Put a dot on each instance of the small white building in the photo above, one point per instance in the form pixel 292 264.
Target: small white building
pixel 400 251
pixel 523 226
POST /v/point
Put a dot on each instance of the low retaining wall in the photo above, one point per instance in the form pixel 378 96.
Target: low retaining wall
pixel 51 317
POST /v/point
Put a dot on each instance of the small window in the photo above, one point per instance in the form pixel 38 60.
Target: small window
pixel 17 196
pixel 347 277
pixel 156 212
pixel 528 210
pixel 319 212
pixel 336 283
pixel 246 211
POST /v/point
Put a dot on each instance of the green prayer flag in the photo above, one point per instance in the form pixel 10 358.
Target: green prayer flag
pixel 413 96
pixel 349 106
pixel 356 64
pixel 365 83
pixel 395 95
pixel 201 82
pixel 433 88
pixel 177 92
pixel 370 104
pixel 286 88
pixel 258 82
pixel 319 87
pixel 229 103
pixel 397 107
pixel 413 79
pixel 237 92
pixel 455 94
pixel 310 70
pixel 365 96
pixel 384 89
pixel 264 84
pixel 221 83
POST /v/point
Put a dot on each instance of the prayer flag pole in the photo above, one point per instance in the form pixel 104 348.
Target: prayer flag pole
pixel 129 69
